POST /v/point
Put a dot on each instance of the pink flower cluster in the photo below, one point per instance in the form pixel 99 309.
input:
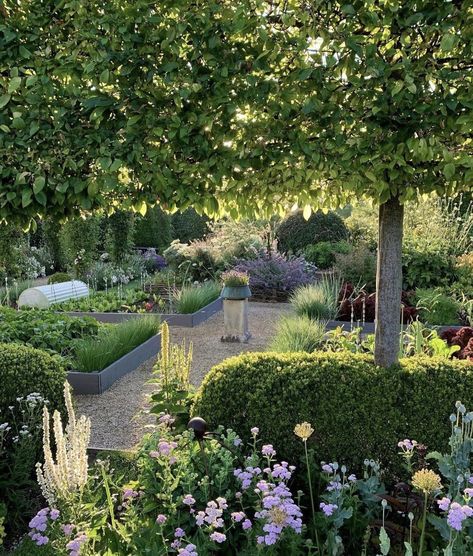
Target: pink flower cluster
pixel 165 450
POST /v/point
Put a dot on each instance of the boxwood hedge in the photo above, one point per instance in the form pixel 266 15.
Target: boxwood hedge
pixel 358 410
pixel 24 370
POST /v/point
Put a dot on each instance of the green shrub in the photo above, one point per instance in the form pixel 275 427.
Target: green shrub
pixel 357 267
pixel 358 410
pixel 426 266
pixel 317 301
pixel 120 234
pixel 295 233
pixel 153 230
pixel 436 308
pixel 192 298
pixel 188 225
pixel 323 254
pixel 53 244
pixel 59 277
pixel 79 239
pixel 24 370
pixel 295 334
pixel 94 354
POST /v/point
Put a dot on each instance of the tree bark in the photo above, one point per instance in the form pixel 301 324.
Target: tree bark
pixel 389 283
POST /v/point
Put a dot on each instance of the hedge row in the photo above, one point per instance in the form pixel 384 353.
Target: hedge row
pixel 358 410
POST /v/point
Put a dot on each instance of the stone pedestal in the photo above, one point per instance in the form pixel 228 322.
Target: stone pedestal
pixel 235 316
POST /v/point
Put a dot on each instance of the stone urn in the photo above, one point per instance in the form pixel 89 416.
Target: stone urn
pixel 236 292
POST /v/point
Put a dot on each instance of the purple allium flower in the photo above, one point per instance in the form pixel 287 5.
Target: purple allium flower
pixel 200 518
pixel 238 516
pixel 268 450
pixel 218 537
pixel 254 431
pixel 246 525
pixel 444 503
pixel 188 500
pixel 179 533
pixel 176 544
pixel 238 495
pixel 328 509
pixel 161 519
pixel 54 514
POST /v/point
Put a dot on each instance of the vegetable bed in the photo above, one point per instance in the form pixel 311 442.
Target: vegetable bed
pixel 85 345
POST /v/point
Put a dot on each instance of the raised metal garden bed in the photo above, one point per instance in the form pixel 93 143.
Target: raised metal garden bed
pixel 98 382
pixel 188 320
pixel 368 327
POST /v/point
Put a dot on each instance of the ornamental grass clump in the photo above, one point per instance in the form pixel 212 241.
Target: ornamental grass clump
pixel 66 475
pixel 294 334
pixel 318 301
pixel 95 354
pixel 192 298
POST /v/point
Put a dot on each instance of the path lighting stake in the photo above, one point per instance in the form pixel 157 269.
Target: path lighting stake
pixel 235 293
pixel 199 426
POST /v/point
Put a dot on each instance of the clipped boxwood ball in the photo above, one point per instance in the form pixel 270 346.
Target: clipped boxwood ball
pixel 295 233
pixel 358 410
pixel 24 370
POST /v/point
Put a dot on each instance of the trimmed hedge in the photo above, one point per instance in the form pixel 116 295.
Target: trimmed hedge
pixel 59 277
pixel 295 233
pixel 153 230
pixel 358 410
pixel 24 370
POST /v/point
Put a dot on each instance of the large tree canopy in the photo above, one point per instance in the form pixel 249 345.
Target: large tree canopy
pixel 242 105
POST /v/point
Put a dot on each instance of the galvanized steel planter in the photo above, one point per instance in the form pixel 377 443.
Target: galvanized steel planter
pixel 176 319
pixel 98 382
pixel 368 327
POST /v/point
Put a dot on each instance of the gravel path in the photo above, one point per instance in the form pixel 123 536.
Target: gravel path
pixel 119 416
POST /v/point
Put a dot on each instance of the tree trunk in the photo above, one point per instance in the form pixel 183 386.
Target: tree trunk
pixel 389 283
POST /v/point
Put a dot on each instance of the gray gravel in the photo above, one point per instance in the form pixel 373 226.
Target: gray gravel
pixel 119 416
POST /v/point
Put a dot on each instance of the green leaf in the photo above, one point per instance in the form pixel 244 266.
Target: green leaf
pixel 14 84
pixel 384 542
pixel 41 198
pixel 38 184
pixel 24 52
pixel 397 88
pixel 26 199
pixel 105 76
pixel 307 212
pixel 4 100
pixel 447 42
pixel 449 170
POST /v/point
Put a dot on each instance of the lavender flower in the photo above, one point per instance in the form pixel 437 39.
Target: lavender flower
pixel 188 500
pixel 179 533
pixel 218 537
pixel 268 450
pixel 444 503
pixel 161 519
pixel 328 509
pixel 457 514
